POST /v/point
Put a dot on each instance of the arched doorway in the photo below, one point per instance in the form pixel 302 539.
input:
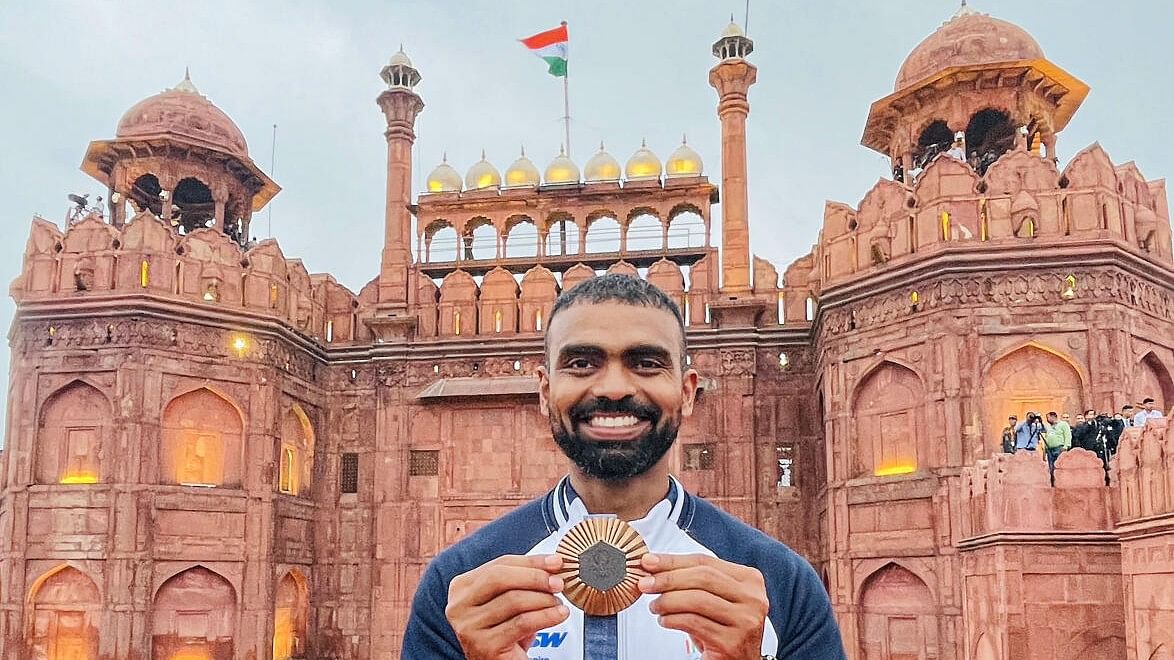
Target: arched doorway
pixel 1028 378
pixel 888 409
pixel 65 611
pixel 194 617
pixel 1152 379
pixel 897 617
pixel 291 613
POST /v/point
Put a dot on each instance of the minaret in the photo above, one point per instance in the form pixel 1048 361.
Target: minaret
pixel 732 78
pixel 400 104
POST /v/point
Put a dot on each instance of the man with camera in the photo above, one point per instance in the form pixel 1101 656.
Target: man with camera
pixel 1028 432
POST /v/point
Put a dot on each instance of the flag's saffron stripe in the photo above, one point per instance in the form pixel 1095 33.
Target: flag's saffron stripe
pixel 548 38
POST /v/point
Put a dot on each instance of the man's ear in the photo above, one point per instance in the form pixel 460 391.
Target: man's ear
pixel 689 381
pixel 543 390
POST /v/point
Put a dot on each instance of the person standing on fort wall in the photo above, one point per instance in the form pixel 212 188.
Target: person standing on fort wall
pixel 666 575
pixel 1146 413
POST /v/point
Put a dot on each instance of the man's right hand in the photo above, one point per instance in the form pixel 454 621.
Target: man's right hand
pixel 497 609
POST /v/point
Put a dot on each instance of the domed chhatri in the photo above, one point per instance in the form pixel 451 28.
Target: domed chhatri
pixel 444 178
pixel 522 173
pixel 643 165
pixel 602 167
pixel 683 162
pixel 966 39
pixel 182 112
pixel 561 170
pixel 482 175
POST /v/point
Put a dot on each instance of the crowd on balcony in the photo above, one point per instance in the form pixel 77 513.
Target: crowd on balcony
pixel 1054 433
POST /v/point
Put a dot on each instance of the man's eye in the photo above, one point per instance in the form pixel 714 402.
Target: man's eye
pixel 649 364
pixel 579 363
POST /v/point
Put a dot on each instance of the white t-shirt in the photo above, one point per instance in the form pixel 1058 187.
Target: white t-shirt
pixel 1143 416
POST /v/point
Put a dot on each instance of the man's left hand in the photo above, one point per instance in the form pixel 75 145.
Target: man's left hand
pixel 722 606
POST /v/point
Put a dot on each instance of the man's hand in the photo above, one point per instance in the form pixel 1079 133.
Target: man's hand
pixel 496 609
pixel 721 605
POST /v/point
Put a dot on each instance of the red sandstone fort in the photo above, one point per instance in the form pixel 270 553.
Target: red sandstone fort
pixel 213 454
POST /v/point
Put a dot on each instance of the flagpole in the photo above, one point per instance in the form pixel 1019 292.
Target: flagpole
pixel 567 102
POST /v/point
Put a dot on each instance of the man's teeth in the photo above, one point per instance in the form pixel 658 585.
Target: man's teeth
pixel 614 422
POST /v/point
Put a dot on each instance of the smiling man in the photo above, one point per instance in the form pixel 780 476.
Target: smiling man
pixel 616 390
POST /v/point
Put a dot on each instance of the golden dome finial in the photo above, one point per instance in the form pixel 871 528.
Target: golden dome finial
pixel 561 170
pixel 602 167
pixel 482 175
pixel 444 178
pixel 522 173
pixel 683 162
pixel 643 165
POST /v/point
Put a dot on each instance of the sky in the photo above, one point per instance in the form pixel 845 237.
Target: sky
pixel 638 70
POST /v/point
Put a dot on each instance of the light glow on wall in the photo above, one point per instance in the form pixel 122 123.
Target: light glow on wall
pixel 80 478
pixel 893 470
pixel 240 344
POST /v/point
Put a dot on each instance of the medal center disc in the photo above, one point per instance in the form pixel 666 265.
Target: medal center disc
pixel 602 566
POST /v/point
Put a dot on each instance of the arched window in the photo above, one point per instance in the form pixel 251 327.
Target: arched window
pixel 521 239
pixel 935 139
pixel 144 194
pixel 563 236
pixel 202 440
pixel 644 232
pixel 194 208
pixel 686 228
pixel 887 407
pixel 72 423
pixel 989 135
pixel 603 235
pixel 291 614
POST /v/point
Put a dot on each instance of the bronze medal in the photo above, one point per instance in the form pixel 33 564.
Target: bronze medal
pixel 601 565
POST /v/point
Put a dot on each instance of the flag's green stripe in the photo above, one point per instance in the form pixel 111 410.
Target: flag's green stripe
pixel 558 66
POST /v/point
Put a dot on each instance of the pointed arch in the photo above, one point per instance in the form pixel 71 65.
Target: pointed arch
pixel 888 406
pixel 897 615
pixel 71 426
pixel 65 607
pixel 1029 376
pixel 203 433
pixel 296 458
pixel 193 615
pixel 1152 379
pixel 291 614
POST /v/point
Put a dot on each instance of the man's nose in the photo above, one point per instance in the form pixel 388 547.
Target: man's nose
pixel 614 382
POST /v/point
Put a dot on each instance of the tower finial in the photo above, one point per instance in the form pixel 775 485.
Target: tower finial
pixel 523 151
pixel 482 153
pixel 601 145
pixel 186 84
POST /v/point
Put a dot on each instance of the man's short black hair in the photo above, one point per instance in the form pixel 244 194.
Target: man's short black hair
pixel 1127 407
pixel 625 289
pixel 1146 400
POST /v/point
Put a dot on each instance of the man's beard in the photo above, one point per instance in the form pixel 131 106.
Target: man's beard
pixel 614 461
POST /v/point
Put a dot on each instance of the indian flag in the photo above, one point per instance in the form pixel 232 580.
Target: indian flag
pixel 552 47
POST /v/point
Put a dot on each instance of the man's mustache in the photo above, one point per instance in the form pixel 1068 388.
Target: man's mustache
pixel 627 405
